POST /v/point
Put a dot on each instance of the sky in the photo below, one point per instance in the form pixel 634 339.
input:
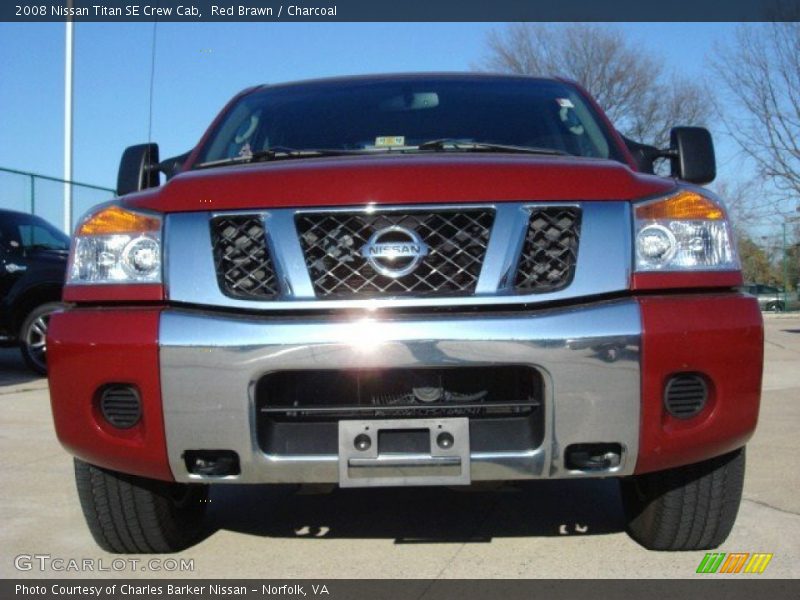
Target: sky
pixel 199 66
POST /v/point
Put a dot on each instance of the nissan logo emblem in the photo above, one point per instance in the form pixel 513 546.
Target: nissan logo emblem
pixel 394 251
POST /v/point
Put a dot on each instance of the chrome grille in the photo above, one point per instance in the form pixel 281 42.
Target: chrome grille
pixel 457 242
pixel 242 261
pixel 550 251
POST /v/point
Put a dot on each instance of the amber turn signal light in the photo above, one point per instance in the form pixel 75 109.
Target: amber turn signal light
pixel 116 220
pixel 686 205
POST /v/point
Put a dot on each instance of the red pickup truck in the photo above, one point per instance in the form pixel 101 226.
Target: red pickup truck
pixel 408 280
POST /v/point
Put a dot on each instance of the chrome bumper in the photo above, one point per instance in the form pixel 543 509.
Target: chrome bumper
pixel 211 362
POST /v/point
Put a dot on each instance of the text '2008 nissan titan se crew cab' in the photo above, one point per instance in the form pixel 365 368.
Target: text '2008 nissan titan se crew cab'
pixel 408 280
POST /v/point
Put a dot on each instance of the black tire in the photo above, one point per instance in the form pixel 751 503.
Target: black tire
pixel 610 353
pixel 688 508
pixel 32 336
pixel 128 514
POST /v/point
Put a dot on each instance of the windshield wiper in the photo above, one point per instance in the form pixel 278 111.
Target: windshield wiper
pixel 462 146
pixel 440 145
pixel 277 153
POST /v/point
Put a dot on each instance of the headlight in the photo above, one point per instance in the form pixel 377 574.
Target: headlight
pixel 116 245
pixel 687 231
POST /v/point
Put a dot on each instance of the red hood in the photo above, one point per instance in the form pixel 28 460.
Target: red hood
pixel 399 179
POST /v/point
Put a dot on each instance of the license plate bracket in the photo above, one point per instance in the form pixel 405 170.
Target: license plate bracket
pixel 362 464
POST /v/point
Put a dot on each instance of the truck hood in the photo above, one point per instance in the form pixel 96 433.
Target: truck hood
pixel 399 179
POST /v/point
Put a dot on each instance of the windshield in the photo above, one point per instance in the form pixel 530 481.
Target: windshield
pixel 401 114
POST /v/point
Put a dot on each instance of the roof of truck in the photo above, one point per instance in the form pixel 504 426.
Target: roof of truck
pixel 418 76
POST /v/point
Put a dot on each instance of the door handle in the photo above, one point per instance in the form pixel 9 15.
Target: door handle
pixel 14 268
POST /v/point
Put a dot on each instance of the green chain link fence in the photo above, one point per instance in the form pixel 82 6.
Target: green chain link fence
pixel 43 195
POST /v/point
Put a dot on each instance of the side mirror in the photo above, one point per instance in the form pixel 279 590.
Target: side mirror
pixel 172 166
pixel 643 154
pixel 138 169
pixel 691 153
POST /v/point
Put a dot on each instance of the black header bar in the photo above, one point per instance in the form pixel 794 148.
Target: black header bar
pixel 399 10
pixel 701 587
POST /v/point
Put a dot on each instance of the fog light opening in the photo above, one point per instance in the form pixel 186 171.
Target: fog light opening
pixel 212 463
pixel 593 457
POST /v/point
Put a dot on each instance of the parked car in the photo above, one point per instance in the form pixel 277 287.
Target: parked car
pixel 772 299
pixel 33 262
pixel 408 280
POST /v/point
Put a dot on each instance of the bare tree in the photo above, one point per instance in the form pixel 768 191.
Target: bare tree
pixel 761 72
pixel 749 205
pixel 630 85
pixel 756 264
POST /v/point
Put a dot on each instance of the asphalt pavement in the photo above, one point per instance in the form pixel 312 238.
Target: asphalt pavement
pixel 552 529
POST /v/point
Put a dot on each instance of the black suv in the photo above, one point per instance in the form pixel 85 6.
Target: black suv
pixel 33 263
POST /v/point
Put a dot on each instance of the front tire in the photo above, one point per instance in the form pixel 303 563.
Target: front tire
pixel 33 336
pixel 687 508
pixel 776 307
pixel 129 514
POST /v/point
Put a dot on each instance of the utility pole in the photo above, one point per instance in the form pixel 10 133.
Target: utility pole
pixel 69 46
pixel 786 261
pixel 785 270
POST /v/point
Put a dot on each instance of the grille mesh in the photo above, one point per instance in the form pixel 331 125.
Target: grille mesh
pixel 457 243
pixel 547 262
pixel 242 261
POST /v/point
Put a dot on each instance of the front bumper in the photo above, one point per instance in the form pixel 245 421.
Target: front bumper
pixel 210 363
pixel 197 372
